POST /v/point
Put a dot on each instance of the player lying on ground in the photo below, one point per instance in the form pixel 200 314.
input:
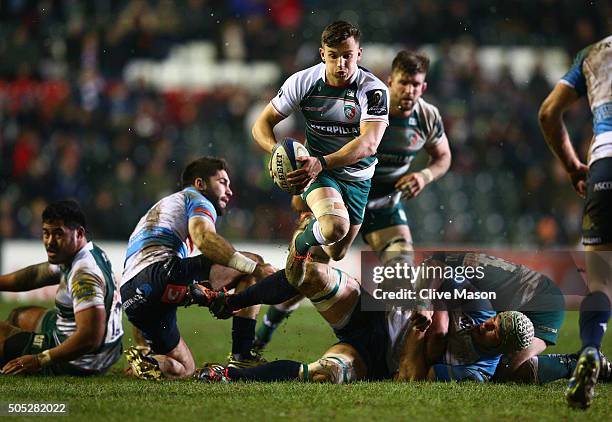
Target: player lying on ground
pixel 371 342
pixel 591 76
pixel 158 275
pixel 82 335
pixel 414 125
pixel 516 287
pixel 345 108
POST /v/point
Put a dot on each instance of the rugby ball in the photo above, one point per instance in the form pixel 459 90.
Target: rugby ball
pixel 283 161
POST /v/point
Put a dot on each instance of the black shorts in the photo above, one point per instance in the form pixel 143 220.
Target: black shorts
pixel 597 216
pixel 151 297
pixel 367 332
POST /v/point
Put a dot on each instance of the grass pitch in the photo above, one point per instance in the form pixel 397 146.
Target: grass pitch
pixel 304 338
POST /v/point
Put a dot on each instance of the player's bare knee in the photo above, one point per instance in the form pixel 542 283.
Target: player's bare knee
pixel 13 316
pixel 334 230
pixel 20 317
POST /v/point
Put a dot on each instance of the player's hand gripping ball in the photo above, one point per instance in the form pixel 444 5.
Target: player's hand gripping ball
pixel 283 161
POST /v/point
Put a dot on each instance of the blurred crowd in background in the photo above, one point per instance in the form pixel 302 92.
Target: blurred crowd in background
pixel 71 126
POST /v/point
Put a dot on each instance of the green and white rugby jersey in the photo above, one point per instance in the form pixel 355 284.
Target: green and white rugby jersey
pixel 333 114
pixel 402 141
pixel 88 282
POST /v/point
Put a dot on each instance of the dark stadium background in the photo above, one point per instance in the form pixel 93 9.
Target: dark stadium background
pixel 74 122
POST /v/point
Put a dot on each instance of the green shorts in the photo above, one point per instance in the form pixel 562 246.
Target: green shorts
pixel 354 194
pixel 546 311
pixel 381 218
pixel 32 343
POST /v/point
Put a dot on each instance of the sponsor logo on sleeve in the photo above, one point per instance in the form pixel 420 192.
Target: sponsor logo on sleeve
pixel 174 293
pixel 280 92
pixel 377 102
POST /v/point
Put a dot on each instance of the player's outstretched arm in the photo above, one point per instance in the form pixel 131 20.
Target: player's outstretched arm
pixel 555 133
pixel 216 248
pixel 262 131
pixel 31 277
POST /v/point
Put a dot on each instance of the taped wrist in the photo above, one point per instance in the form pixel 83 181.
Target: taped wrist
pixel 44 358
pixel 242 263
pixel 427 175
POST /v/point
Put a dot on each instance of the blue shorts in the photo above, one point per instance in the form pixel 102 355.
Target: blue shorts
pixel 367 332
pixel 151 297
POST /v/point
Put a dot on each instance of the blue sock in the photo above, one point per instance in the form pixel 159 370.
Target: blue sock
pixel 272 290
pixel 280 370
pixel 594 316
pixel 554 367
pixel 243 334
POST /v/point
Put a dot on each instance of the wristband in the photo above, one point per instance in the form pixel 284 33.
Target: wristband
pixel 44 358
pixel 322 161
pixel 242 263
pixel 427 175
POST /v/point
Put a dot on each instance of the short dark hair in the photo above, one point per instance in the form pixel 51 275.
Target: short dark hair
pixel 410 63
pixel 203 167
pixel 334 34
pixel 68 211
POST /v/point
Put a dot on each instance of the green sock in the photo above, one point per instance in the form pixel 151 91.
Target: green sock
pixel 270 322
pixel 306 240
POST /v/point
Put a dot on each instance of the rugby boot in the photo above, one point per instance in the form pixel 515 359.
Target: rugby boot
pixel 142 366
pixel 199 295
pixel 219 306
pixel 249 360
pixel 581 388
pixel 212 373
pixel 294 268
pixel 330 369
pixel 605 370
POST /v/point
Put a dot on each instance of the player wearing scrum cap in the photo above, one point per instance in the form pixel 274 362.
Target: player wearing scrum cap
pixel 159 275
pixel 377 345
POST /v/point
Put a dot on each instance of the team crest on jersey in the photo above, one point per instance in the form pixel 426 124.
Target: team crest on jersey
pixel 350 111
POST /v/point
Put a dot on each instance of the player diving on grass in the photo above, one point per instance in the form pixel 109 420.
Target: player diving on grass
pixel 159 275
pixel 82 335
pixel 414 125
pixel 590 75
pixel 345 109
pixel 375 345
